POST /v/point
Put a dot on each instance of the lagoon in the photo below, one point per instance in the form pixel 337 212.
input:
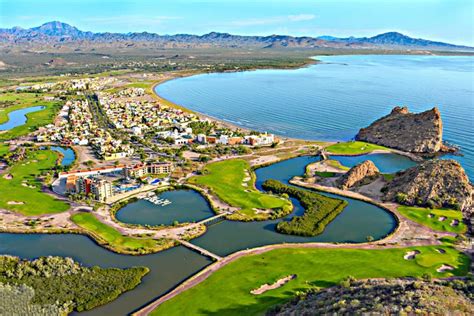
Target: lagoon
pixel 333 99
pixel 353 225
pixel 18 117
pixel 172 266
pixel 186 206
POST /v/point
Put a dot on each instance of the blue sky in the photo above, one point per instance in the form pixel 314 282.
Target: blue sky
pixel 445 20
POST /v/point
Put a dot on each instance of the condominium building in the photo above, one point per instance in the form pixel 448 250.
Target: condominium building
pixel 141 170
pixel 101 189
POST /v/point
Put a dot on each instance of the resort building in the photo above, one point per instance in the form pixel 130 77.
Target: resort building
pixel 141 170
pixel 101 189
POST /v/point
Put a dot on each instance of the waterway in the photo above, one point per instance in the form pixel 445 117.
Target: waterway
pixel 354 224
pixel 18 117
pixel 334 99
pixel 171 267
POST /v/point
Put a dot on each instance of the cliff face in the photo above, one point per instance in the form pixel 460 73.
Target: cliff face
pixel 362 173
pixel 418 133
pixel 436 183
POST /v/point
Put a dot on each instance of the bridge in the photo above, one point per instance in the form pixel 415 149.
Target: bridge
pixel 202 251
pixel 214 219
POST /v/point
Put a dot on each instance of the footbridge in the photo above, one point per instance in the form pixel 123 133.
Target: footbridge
pixel 214 219
pixel 202 251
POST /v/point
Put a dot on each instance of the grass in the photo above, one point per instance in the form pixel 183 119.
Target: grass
pixel 4 149
pixel 226 178
pixel 25 186
pixel 227 291
pixel 388 176
pixel 353 148
pixel 325 174
pixel 336 164
pixel 108 236
pixel 34 119
pixel 420 215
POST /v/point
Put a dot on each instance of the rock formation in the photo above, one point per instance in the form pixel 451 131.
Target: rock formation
pixel 363 173
pixel 418 133
pixel 433 183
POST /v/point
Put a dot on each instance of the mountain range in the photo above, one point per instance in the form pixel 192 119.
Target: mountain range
pixel 62 33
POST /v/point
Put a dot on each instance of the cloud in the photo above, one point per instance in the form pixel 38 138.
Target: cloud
pixel 301 17
pixel 273 20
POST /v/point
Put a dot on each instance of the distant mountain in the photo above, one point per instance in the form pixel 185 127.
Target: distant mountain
pixel 55 32
pixel 390 39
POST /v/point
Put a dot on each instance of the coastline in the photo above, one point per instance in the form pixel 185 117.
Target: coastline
pixel 230 125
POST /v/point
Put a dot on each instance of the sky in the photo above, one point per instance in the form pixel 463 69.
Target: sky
pixel 444 20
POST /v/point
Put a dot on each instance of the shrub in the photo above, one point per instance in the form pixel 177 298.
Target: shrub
pixel 320 210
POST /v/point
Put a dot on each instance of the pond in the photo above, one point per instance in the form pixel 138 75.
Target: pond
pixel 68 155
pixel 186 206
pixel 18 117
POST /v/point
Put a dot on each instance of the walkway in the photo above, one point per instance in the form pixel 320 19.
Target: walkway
pixel 210 219
pixel 199 249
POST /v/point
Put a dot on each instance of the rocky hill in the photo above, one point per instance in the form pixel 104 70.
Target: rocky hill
pixel 433 183
pixel 412 132
pixel 386 297
pixel 363 173
pixel 58 32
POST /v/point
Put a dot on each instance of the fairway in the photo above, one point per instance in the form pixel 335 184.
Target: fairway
pixel 233 182
pixel 34 119
pixel 22 193
pixel 353 148
pixel 110 236
pixel 422 216
pixel 227 291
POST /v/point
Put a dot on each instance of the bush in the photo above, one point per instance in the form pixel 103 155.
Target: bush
pixel 58 281
pixel 320 210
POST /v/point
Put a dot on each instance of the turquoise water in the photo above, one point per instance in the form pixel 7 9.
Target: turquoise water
pixel 68 155
pixel 386 163
pixel 332 100
pixel 18 117
pixel 186 206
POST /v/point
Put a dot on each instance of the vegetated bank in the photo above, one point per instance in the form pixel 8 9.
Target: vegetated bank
pixel 319 210
pixel 233 182
pixel 227 290
pixel 57 286
pixel 112 239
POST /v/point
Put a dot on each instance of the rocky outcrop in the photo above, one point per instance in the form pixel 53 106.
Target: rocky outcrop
pixel 363 173
pixel 384 297
pixel 433 183
pixel 418 133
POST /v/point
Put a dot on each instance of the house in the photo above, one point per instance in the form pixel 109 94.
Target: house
pixel 211 139
pixel 223 139
pixel 235 140
pixel 201 138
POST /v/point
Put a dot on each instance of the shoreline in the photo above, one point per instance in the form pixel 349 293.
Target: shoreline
pixel 230 125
